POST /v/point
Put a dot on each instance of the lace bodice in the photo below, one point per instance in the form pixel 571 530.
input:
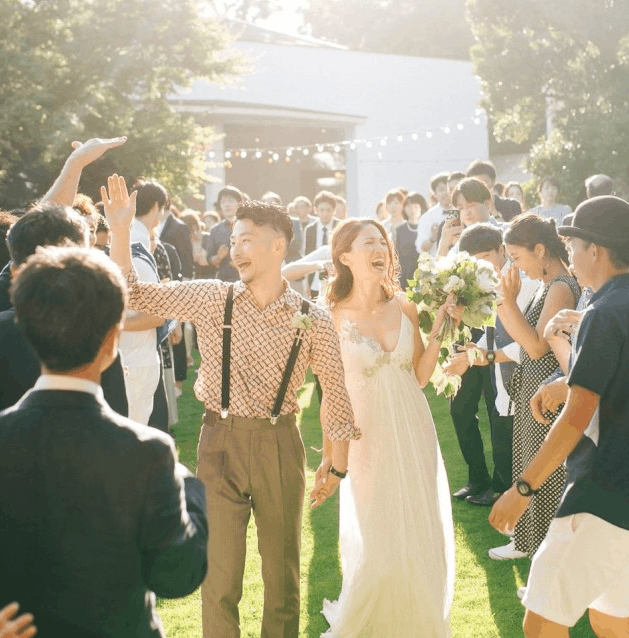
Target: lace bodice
pixel 365 356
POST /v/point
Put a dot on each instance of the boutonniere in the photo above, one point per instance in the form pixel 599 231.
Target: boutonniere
pixel 301 321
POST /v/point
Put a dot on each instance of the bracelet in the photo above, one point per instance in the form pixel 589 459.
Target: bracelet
pixel 334 471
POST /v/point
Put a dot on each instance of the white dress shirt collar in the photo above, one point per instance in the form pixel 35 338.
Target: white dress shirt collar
pixel 65 382
pixel 139 232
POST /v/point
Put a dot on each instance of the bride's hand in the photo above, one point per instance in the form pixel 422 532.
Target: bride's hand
pixel 327 489
pixel 321 478
pixel 447 308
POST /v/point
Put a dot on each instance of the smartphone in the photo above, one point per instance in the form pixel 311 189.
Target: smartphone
pixel 454 214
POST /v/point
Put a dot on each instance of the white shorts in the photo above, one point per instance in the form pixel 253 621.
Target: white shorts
pixel 582 564
pixel 141 383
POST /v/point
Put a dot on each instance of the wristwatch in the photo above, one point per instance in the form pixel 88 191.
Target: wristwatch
pixel 491 356
pixel 334 471
pixel 524 488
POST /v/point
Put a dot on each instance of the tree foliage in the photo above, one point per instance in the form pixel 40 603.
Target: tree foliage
pixel 572 55
pixel 248 10
pixel 403 27
pixel 75 69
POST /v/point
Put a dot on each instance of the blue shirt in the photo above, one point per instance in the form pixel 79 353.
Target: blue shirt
pixel 598 467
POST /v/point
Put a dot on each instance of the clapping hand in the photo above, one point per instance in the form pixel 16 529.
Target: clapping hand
pixel 563 325
pixel 20 627
pixel 547 399
pixel 85 153
pixel 510 284
pixel 118 205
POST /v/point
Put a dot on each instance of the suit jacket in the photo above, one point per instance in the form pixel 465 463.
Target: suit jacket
pixel 95 517
pixel 310 241
pixel 220 235
pixel 175 232
pixel 5 284
pixel 297 245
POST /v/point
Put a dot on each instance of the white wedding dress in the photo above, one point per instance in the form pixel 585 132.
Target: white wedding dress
pixel 396 531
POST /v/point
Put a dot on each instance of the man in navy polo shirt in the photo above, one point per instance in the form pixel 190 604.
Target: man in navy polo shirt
pixel 583 562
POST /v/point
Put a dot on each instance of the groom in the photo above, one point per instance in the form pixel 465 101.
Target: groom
pixel 249 459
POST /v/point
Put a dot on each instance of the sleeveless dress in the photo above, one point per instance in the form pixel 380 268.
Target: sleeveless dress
pixel 529 434
pixel 396 531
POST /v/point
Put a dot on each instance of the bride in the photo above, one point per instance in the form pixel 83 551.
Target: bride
pixel 396 531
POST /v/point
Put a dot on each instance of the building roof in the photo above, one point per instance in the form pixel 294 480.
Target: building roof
pixel 248 32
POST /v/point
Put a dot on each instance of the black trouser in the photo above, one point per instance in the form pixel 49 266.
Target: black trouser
pixel 463 410
pixel 502 450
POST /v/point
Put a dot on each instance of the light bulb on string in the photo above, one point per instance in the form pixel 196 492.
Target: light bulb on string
pixel 477 120
pixel 275 157
pixel 460 126
pixel 319 148
pixel 228 154
pixel 243 154
pixel 368 143
pixel 352 146
pixel 269 160
pixel 414 137
pixel 289 152
pixel 383 141
pixel 400 138
pixel 379 155
pixel 258 154
pixel 306 151
pixel 446 130
pixel 211 155
pixel 337 149
pixel 428 134
pixel 287 159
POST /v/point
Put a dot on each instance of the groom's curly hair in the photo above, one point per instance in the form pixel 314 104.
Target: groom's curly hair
pixel 342 239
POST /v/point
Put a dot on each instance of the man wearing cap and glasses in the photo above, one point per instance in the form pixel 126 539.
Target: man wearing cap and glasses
pixel 583 562
pixel 257 337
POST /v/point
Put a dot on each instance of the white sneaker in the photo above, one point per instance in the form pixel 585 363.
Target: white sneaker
pixel 521 592
pixel 506 552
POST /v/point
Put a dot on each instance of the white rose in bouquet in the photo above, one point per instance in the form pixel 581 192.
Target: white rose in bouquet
pixel 487 280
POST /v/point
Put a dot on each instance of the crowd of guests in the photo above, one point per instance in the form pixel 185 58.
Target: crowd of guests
pixel 520 369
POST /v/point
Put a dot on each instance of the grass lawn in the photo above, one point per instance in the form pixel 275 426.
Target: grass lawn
pixel 485 603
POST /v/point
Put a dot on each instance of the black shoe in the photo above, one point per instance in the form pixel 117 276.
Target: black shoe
pixel 484 499
pixel 466 491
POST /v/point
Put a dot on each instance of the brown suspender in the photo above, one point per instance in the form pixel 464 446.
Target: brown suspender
pixel 288 370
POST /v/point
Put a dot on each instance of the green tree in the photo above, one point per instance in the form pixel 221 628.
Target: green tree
pixel 403 27
pixel 75 69
pixel 571 57
pixel 248 10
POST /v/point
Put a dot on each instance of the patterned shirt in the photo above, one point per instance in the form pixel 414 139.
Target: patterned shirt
pixel 261 343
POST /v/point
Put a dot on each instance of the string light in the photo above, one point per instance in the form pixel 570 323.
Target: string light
pixel 274 154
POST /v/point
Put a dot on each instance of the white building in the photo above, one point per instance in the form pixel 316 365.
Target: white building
pixel 419 116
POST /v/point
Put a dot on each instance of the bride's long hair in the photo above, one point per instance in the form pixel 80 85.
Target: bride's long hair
pixel 344 235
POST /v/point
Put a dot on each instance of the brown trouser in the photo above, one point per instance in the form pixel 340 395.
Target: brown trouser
pixel 250 464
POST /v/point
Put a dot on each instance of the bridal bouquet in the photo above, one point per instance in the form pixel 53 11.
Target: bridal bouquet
pixel 474 283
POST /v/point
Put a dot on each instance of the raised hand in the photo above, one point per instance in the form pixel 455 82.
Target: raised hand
pixel 510 284
pixel 118 205
pixel 20 627
pixel 87 152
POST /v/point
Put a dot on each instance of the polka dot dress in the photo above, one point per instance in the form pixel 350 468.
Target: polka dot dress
pixel 529 434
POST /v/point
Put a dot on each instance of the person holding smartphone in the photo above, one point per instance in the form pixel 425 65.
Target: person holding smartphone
pixel 471 200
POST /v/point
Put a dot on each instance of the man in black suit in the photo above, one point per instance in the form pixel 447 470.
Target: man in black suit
pixel 175 232
pixel 96 512
pixel 485 172
pixel 319 233
pixel 45 225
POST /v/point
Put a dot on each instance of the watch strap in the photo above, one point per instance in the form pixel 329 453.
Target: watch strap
pixel 334 471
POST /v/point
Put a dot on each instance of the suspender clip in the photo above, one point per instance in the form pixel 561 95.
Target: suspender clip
pixel 273 419
pixel 224 413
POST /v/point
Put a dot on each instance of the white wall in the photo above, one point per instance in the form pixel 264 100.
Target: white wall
pixel 395 94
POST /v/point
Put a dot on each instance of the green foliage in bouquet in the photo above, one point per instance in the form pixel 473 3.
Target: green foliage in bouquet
pixel 473 283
